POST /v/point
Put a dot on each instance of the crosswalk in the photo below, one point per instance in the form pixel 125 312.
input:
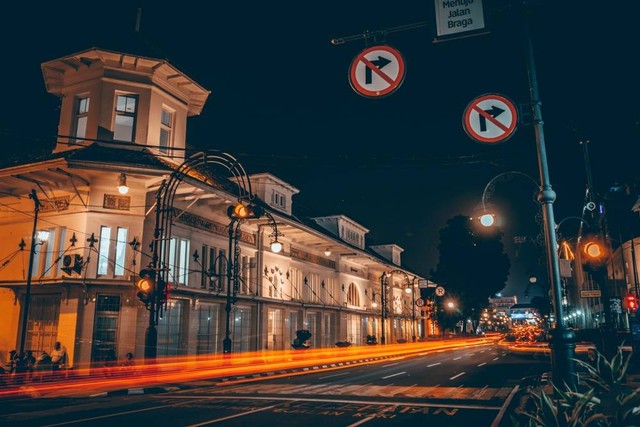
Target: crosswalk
pixel 368 390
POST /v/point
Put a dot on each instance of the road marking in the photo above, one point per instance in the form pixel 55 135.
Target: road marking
pixel 331 376
pixel 456 376
pixel 350 401
pixel 362 421
pixel 393 375
pixel 217 420
pixel 393 364
pixel 457 358
pixel 433 364
pixel 482 364
pixel 116 414
pixel 496 358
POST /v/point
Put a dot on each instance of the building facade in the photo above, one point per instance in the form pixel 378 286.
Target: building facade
pixel 97 196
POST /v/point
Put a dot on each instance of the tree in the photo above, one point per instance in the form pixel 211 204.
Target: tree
pixel 471 265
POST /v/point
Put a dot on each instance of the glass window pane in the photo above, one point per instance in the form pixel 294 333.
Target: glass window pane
pixel 81 127
pixel 103 255
pixel 121 251
pixel 124 128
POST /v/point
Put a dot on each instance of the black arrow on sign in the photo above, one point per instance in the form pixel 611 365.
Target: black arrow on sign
pixel 379 63
pixel 493 112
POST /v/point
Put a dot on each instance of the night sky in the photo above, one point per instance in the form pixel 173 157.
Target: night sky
pixel 400 165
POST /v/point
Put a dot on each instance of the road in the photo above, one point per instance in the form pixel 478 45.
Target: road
pixel 454 387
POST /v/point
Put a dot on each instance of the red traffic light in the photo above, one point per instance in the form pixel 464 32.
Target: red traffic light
pixel 632 302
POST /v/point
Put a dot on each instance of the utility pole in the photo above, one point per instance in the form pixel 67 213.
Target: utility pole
pixel 27 297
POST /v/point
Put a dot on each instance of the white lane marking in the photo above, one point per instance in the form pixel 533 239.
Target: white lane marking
pixel 456 376
pixel 115 414
pixel 362 421
pixel 496 358
pixel 393 375
pixel 331 376
pixel 457 358
pixel 393 364
pixel 433 364
pixel 482 364
pixel 217 420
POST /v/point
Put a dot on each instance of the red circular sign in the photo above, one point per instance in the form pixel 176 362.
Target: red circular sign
pixel 377 71
pixel 490 119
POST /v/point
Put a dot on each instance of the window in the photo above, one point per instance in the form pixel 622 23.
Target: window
pixel 353 298
pixel 105 331
pixel 60 250
pixel 170 329
pixel 166 130
pixel 80 120
pixel 103 253
pixel 121 251
pixel 125 119
pixel 278 199
pixel 42 325
pixel 207 339
pixel 179 260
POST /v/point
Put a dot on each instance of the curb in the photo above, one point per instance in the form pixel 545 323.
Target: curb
pixel 135 391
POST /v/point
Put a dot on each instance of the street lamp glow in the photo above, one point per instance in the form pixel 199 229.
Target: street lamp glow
pixel 487 220
pixel 42 236
pixel 276 247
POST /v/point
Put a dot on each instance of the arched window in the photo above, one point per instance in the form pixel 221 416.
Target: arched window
pixel 353 297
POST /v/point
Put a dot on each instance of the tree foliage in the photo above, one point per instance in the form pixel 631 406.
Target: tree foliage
pixel 472 265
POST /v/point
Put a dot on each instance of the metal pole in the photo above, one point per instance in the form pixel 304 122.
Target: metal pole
pixel 413 308
pixel 151 334
pixel 27 296
pixel 563 339
pixel 226 343
pixel 383 298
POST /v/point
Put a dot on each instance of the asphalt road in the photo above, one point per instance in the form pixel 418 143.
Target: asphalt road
pixel 461 387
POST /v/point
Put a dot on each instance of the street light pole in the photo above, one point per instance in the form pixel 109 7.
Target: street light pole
pixel 413 308
pixel 226 342
pixel 27 296
pixel 563 338
pixel 383 304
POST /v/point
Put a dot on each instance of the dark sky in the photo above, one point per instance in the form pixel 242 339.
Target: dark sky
pixel 400 165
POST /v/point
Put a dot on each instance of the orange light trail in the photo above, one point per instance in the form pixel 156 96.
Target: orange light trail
pixel 228 368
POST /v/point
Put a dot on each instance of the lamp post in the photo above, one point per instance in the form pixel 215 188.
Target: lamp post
pixel 411 290
pixel 563 339
pixel 165 214
pixel 383 304
pixel 27 297
pixel 239 213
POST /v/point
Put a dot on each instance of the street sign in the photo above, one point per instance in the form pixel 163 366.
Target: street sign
pixel 593 293
pixel 490 119
pixel 419 302
pixel 456 17
pixel 377 71
pixel 440 291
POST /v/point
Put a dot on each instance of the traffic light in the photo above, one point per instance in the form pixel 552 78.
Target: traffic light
pixel 146 285
pixel 594 253
pixel 241 211
pixel 632 303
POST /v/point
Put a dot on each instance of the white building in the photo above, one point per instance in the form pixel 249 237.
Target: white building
pixel 123 118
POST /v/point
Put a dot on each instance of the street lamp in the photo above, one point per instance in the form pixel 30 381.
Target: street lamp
pixel 563 339
pixel 189 170
pixel 239 213
pixel 383 301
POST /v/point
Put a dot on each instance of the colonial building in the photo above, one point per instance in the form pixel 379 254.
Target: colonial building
pixel 121 192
